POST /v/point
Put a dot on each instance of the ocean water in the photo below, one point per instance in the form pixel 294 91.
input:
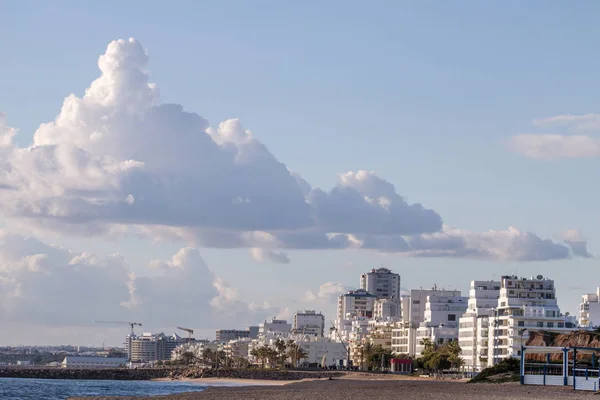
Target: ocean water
pixel 61 389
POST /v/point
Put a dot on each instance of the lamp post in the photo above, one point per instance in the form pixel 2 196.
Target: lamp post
pixel 521 332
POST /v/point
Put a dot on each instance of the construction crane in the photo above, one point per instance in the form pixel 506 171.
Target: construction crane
pixel 189 331
pixel 131 324
pixel 346 347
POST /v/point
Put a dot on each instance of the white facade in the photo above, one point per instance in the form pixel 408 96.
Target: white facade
pixel 524 305
pixel 474 324
pixel 274 325
pixel 404 334
pixel 225 335
pixel 442 314
pixel 356 303
pixel 382 283
pixel 93 362
pixel 309 322
pixel 387 309
pixel 238 348
pixel 589 310
pixel 150 347
pixel 315 347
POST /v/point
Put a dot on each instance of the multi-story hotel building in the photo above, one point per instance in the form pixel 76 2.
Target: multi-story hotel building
pixel 524 305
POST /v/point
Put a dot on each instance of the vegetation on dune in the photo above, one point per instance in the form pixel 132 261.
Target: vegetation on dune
pixel 505 371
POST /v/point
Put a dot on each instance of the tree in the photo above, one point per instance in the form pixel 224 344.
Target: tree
pixel 453 349
pixel 295 352
pixel 281 350
pixel 366 353
pixel 188 358
pixel 207 356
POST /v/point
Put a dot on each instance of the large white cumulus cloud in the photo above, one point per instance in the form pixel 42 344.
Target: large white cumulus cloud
pixel 45 285
pixel 119 158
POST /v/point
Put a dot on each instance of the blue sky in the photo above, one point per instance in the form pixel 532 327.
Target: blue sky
pixel 427 94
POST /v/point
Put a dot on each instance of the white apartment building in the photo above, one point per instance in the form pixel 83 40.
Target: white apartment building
pixel 150 347
pixel 382 283
pixel 474 324
pixel 274 325
pixel 404 334
pixel 524 305
pixel 442 314
pixel 309 322
pixel 237 348
pixel 356 303
pixel 589 310
pixel 387 309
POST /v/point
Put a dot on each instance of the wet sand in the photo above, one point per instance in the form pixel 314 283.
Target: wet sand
pixel 343 389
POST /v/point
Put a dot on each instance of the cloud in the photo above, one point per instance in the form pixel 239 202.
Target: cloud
pixel 328 292
pixel 6 132
pixel 577 242
pixel 277 257
pixel 578 123
pixel 118 161
pixel 96 165
pixel 49 286
pixel 553 146
pixel 509 245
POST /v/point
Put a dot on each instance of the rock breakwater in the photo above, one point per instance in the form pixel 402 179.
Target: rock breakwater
pixel 120 374
pixel 123 374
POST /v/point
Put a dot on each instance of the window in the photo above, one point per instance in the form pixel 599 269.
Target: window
pixel 451 317
pixel 550 324
pixel 540 324
pixel 521 323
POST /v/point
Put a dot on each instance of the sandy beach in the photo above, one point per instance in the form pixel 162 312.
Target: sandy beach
pixel 407 389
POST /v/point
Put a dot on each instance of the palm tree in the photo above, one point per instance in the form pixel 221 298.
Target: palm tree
pixel 295 353
pixel 367 350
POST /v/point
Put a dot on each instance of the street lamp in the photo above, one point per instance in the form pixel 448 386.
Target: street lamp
pixel 521 332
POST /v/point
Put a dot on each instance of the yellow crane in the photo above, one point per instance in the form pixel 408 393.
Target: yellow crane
pixel 188 330
pixel 131 324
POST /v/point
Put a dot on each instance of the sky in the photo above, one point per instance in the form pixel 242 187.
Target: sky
pixel 211 164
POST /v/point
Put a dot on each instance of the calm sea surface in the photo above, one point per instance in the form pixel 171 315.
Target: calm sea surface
pixel 60 389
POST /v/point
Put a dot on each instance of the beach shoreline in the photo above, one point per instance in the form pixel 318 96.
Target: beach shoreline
pixel 343 389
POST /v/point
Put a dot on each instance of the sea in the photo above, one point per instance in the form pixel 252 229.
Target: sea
pixel 61 389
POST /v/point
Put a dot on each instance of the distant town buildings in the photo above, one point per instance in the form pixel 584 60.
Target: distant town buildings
pixel 489 325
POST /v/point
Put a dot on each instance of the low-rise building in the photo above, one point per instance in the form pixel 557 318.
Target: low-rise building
pixel 93 362
pixel 274 325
